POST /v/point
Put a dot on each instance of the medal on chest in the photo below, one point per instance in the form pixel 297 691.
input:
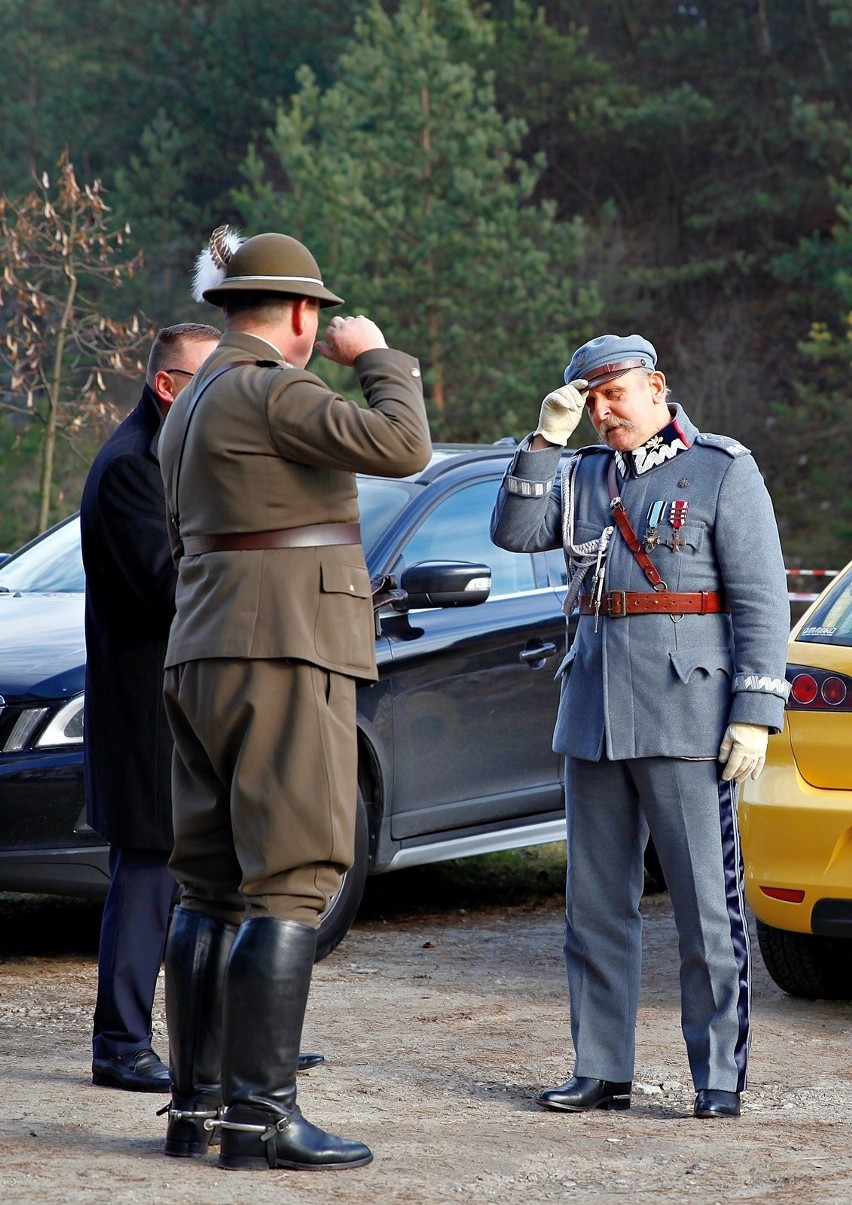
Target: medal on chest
pixel 655 514
pixel 677 518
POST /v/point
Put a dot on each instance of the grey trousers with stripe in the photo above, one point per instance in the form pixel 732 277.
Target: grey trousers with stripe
pixel 691 814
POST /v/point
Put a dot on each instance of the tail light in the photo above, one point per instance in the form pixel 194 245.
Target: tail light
pixel 790 895
pixel 818 690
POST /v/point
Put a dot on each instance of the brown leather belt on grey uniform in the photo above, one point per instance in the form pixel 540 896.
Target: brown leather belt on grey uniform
pixel 311 535
pixel 616 604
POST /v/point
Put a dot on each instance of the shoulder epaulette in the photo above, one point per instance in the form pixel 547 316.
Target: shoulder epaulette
pixel 723 442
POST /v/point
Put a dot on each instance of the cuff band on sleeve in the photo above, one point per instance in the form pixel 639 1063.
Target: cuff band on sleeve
pixel 527 489
pixel 762 684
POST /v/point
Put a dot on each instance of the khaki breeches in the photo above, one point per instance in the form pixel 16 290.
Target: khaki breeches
pixel 264 785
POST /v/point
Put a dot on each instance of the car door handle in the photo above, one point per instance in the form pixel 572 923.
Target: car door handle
pixel 540 653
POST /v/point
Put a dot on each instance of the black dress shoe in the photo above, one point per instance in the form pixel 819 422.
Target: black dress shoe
pixel 139 1072
pixel 713 1102
pixel 308 1060
pixel 581 1094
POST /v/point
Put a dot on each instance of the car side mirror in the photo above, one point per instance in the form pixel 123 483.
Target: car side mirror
pixel 446 584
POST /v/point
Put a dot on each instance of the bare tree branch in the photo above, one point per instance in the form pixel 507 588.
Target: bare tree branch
pixel 59 254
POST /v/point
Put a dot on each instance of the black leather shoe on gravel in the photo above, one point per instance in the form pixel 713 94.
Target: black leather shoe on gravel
pixel 139 1072
pixel 308 1060
pixel 712 1102
pixel 581 1094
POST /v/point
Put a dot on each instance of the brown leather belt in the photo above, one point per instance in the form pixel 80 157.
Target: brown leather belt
pixel 311 535
pixel 616 604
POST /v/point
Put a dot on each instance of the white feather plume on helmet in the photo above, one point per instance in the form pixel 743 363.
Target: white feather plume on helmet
pixel 211 264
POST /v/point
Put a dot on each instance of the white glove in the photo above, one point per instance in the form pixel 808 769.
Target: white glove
pixel 743 750
pixel 561 412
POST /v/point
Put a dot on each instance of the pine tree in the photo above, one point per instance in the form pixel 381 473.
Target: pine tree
pixel 406 182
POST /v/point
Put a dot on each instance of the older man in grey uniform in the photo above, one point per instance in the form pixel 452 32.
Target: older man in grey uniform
pixel 672 685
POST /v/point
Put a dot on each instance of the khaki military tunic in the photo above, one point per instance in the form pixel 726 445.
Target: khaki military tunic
pixel 266 645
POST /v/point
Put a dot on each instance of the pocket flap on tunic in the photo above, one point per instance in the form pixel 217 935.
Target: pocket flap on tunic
pixel 345 579
pixel 711 661
pixel 565 663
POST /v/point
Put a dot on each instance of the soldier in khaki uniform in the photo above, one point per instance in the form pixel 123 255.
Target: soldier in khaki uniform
pixel 273 628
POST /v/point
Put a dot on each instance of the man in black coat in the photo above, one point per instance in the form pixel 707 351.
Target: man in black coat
pixel 130 588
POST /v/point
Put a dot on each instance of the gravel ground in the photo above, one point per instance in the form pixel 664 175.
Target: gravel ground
pixel 439 1027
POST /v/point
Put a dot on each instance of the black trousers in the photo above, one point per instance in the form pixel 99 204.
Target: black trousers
pixel 133 939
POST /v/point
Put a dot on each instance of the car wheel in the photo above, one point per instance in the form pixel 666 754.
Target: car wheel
pixel 802 964
pixel 343 907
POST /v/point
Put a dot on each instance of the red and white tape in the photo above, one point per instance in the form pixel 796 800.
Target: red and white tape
pixel 795 596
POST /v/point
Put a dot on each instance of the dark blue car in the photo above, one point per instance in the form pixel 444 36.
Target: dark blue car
pixel 454 738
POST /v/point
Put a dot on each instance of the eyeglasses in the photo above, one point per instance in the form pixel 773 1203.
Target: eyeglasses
pixel 183 370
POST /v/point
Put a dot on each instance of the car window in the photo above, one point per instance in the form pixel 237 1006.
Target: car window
pixel 458 530
pixel 557 570
pixel 52 563
pixel 831 622
pixel 379 502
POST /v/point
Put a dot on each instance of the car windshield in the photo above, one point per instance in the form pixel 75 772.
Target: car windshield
pixel 52 563
pixel 380 499
pixel 831 622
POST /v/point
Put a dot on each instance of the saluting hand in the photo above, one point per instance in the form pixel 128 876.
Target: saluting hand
pixel 561 412
pixel 347 337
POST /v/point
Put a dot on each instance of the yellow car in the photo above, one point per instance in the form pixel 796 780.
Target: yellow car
pixel 796 819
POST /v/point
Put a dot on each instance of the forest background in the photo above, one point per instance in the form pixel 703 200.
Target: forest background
pixel 494 184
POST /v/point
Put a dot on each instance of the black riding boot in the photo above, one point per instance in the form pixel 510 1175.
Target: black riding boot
pixel 266 993
pixel 196 957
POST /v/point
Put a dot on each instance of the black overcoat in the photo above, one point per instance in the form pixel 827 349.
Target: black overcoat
pixel 130 586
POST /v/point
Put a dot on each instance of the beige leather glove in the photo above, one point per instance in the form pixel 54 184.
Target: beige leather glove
pixel 743 750
pixel 561 412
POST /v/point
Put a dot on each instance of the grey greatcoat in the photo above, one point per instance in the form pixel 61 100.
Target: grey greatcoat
pixel 638 694
pixel 654 685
